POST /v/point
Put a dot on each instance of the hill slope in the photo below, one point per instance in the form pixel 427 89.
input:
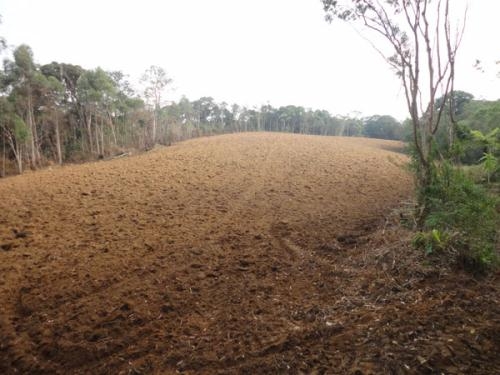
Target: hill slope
pixel 236 253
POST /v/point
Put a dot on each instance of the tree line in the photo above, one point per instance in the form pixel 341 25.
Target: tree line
pixel 58 112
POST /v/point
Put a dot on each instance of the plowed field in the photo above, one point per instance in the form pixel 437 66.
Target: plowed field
pixel 251 253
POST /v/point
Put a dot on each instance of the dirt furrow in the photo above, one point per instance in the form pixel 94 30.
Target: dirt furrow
pixel 200 257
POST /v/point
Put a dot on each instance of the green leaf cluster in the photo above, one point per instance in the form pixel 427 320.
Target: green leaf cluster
pixel 462 221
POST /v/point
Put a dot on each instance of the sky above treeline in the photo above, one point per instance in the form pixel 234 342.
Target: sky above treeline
pixel 250 52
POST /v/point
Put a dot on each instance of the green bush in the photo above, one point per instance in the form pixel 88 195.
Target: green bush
pixel 490 165
pixel 461 220
pixel 433 241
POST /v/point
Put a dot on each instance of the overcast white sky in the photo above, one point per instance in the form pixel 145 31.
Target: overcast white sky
pixel 248 52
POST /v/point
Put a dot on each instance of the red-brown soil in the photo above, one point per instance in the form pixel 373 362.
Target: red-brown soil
pixel 252 253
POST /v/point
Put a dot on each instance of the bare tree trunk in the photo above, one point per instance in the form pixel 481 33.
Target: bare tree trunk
pixel 16 150
pixel 32 132
pixel 88 121
pixel 19 158
pixel 153 133
pixel 58 141
pixel 451 138
pixel 4 155
pixel 102 137
pixel 96 133
pixel 37 141
pixel 113 130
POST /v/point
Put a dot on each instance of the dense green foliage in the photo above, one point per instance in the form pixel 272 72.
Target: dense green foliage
pixel 473 138
pixel 462 220
pixel 474 131
pixel 385 127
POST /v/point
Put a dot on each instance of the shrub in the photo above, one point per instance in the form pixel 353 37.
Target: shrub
pixel 461 219
pixel 490 164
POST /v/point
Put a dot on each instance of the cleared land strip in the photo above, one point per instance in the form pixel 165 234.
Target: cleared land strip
pixel 207 255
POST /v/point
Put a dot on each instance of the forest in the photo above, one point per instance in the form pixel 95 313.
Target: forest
pixel 61 113
pixel 57 113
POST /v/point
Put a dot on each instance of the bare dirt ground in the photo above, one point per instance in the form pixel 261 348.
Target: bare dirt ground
pixel 251 253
